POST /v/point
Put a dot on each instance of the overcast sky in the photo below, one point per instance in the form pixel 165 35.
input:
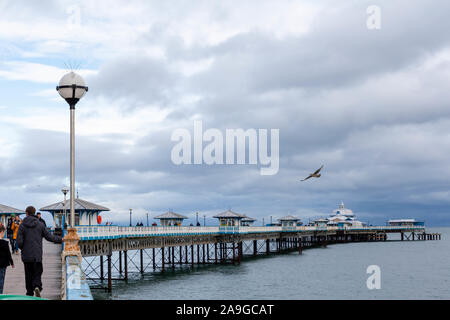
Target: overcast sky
pixel 372 105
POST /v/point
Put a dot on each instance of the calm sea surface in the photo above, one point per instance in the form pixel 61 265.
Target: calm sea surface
pixel 409 270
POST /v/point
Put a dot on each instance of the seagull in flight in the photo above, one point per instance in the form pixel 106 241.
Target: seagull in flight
pixel 315 174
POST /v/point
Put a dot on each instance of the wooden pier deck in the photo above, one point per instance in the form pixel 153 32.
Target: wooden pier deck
pixel 51 278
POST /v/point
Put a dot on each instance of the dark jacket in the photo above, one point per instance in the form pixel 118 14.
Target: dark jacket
pixel 29 239
pixel 5 255
pixel 8 228
pixel 43 222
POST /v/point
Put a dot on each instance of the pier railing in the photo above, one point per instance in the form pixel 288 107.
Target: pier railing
pixel 74 283
pixel 115 232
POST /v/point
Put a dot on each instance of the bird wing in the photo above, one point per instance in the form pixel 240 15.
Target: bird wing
pixel 308 178
pixel 317 172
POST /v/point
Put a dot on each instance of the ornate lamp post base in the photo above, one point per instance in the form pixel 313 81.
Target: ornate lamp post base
pixel 71 247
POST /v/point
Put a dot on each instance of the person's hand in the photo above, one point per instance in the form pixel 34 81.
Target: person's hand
pixel 13 266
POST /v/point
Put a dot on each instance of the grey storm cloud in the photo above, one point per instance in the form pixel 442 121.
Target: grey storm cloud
pixel 140 80
pixel 364 103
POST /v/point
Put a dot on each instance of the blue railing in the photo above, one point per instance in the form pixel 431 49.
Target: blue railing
pixel 108 232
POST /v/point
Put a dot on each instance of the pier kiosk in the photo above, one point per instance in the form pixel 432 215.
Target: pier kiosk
pixel 405 223
pixel 247 222
pixel 289 222
pixel 171 219
pixel 229 221
pixel 6 212
pixel 86 213
pixel 322 222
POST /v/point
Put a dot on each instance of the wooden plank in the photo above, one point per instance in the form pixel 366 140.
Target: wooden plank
pixel 51 278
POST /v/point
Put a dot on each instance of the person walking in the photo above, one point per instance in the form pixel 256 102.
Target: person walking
pixel 15 228
pixel 29 239
pixel 40 219
pixel 10 232
pixel 5 257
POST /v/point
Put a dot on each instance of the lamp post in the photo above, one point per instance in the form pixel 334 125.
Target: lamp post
pixel 131 212
pixel 196 215
pixel 72 88
pixel 147 220
pixel 64 191
pixel 204 220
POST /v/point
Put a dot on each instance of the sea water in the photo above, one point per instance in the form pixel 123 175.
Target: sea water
pixel 408 270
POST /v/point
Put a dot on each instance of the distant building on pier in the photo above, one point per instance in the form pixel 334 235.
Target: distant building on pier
pixel 273 224
pixel 342 217
pixel 86 213
pixel 6 212
pixel 289 221
pixel 230 218
pixel 248 222
pixel 171 219
pixel 405 223
pixel 321 222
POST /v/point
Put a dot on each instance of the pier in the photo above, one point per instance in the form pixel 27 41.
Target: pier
pixel 114 253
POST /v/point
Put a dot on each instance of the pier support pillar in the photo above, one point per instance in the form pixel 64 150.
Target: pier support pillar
pixel 125 257
pixel 120 263
pixel 224 253
pixel 173 257
pixel 300 245
pixel 153 260
pixel 102 274
pixel 198 254
pixel 203 254
pixel 168 256
pixel 255 247
pixel 163 259
pixel 268 246
pixel 215 253
pixel 240 252
pixel 109 274
pixel 142 261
